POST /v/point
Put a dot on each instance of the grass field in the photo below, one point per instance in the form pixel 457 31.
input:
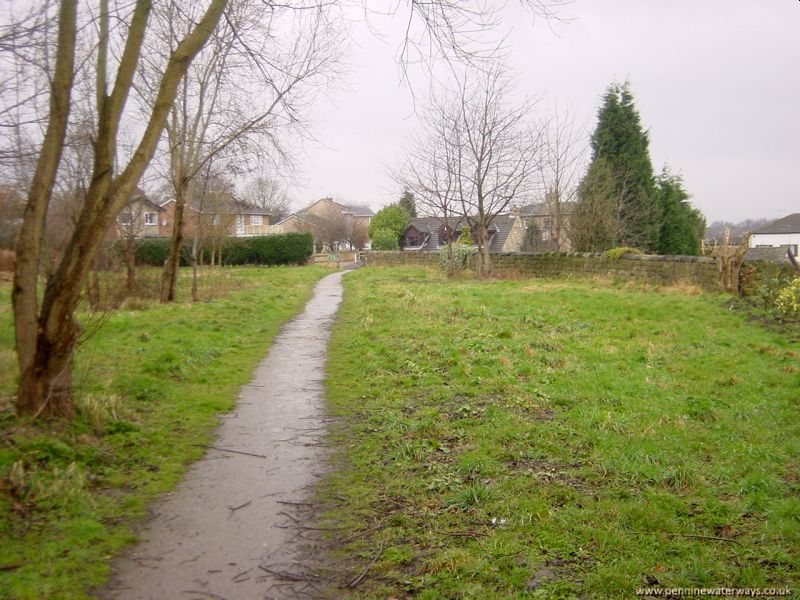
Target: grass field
pixel 543 439
pixel 149 385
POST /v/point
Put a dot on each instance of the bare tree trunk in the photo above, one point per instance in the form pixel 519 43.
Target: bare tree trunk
pixel 195 249
pixel 46 341
pixel 450 266
pixel 169 278
pixel 130 267
pixel 484 259
pixel 36 384
pixel 93 287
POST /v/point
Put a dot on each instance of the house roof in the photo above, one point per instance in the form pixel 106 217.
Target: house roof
pixel 230 205
pixel 769 254
pixel 498 230
pixel 138 194
pixel 309 218
pixel 544 209
pixel 326 199
pixel 358 210
pixel 788 224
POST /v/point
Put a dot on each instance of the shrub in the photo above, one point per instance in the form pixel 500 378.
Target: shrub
pixel 465 238
pixel 152 252
pixel 393 217
pixel 385 239
pixel 617 253
pixel 787 301
pixel 282 249
pixel 461 254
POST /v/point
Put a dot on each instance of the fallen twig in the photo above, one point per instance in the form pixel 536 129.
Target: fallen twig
pixel 358 579
pixel 309 528
pixel 235 508
pixel 290 576
pixel 363 532
pixel 230 450
pixel 285 514
pixel 209 594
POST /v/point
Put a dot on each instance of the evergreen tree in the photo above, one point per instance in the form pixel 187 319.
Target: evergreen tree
pixel 595 222
pixel 682 226
pixel 408 204
pixel 392 218
pixel 622 144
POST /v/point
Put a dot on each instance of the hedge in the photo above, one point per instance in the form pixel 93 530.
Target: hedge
pixel 280 249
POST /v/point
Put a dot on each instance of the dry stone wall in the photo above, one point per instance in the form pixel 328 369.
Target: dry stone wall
pixel 658 270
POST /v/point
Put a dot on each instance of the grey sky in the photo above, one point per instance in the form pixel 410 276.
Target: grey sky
pixel 716 82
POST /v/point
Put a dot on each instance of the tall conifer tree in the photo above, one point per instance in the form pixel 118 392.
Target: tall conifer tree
pixel 682 226
pixel 622 145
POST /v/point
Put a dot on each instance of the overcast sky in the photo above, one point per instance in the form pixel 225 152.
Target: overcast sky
pixel 716 82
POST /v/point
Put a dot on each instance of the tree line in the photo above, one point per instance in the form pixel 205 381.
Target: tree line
pixel 483 150
pixel 95 94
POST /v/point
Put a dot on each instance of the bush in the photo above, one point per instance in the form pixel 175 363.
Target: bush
pixel 282 249
pixel 617 253
pixel 385 239
pixel 154 252
pixel 393 217
pixel 465 239
pixel 461 254
pixel 787 301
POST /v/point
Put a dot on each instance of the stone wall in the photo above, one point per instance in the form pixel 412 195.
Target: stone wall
pixel 658 270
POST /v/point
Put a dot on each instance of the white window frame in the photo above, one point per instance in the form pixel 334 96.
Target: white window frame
pixel 150 218
pixel 239 224
pixel 256 220
pixel 126 218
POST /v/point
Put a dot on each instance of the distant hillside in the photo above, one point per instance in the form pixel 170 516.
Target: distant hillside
pixel 715 231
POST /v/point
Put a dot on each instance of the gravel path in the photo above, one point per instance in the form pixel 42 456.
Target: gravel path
pixel 230 522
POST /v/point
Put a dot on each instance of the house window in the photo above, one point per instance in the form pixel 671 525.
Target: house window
pixel 150 218
pixel 546 224
pixel 215 220
pixel 256 220
pixel 413 238
pixel 239 224
pixel 126 218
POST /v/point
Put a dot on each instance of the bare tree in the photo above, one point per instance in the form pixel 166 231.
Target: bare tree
pixel 332 228
pixel 498 153
pixel 104 44
pixel 213 220
pixel 46 333
pixel 245 91
pixel 430 172
pixel 268 194
pixel 356 234
pixel 563 152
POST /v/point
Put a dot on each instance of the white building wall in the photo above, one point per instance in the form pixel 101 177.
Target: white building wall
pixel 774 239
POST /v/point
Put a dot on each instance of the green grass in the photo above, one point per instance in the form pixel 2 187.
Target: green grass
pixel 542 439
pixel 149 386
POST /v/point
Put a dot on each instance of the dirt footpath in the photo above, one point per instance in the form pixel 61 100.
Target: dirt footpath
pixel 227 530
